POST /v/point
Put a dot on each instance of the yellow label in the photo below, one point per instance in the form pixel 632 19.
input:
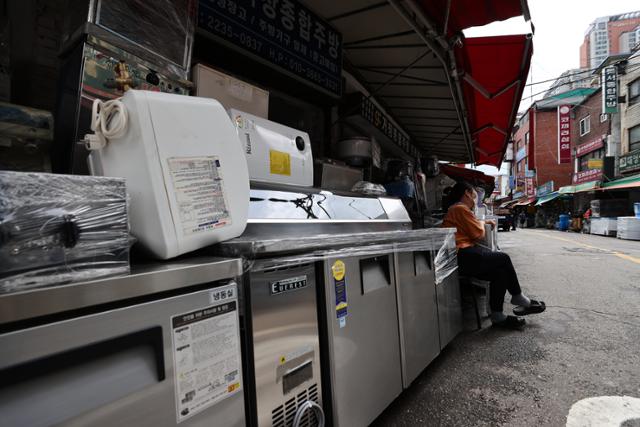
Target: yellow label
pixel 341 306
pixel 282 360
pixel 233 387
pixel 594 163
pixel 280 162
pixel 338 269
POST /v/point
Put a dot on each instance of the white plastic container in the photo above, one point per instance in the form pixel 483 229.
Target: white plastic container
pixel 275 153
pixel 185 171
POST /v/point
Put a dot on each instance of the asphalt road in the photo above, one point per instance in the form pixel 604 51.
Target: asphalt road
pixel 586 344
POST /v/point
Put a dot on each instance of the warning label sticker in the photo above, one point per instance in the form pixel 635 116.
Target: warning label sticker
pixel 280 163
pixel 206 354
pixel 199 191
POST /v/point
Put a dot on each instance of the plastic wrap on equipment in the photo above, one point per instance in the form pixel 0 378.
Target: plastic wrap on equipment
pixel 263 254
pixel 57 229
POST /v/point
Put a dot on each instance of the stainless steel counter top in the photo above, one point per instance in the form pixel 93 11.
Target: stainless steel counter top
pixel 250 246
pixel 144 280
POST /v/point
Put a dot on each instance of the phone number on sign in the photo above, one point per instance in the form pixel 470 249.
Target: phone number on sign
pixel 227 31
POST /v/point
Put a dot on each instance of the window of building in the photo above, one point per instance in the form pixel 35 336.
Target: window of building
pixel 634 138
pixel 585 125
pixel 634 92
pixel 604 117
pixel 583 164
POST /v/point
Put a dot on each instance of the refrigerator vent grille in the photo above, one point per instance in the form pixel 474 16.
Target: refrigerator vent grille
pixel 283 415
pixel 286 267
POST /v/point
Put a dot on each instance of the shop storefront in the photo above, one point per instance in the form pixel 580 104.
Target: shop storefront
pixel 295 140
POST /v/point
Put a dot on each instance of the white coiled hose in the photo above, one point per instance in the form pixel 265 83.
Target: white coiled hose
pixel 109 120
pixel 306 406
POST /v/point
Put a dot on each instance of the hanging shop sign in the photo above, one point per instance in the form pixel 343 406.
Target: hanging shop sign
pixel 587 176
pixel 590 146
pixel 283 34
pixel 530 186
pixel 610 89
pixel 545 189
pixel 375 116
pixel 564 134
pixel 629 162
pixel 595 163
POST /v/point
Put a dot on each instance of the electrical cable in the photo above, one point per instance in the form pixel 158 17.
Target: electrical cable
pixel 631 68
pixel 109 120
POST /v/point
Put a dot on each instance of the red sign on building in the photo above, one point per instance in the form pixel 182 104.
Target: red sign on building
pixel 564 134
pixel 587 176
pixel 590 146
pixel 530 187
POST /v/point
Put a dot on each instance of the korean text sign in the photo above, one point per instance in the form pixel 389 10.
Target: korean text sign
pixel 564 134
pixel 281 33
pixel 610 90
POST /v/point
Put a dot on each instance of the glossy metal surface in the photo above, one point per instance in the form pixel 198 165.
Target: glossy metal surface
pixel 143 280
pixel 449 309
pixel 285 337
pixel 364 354
pixel 418 313
pixel 285 205
pixel 146 400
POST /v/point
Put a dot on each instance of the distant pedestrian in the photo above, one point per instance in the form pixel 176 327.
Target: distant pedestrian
pixel 523 219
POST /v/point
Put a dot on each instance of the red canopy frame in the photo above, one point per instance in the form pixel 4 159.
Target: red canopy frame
pixel 494 74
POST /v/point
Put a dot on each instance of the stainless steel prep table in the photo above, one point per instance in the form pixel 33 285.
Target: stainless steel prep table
pixel 106 352
pixel 295 237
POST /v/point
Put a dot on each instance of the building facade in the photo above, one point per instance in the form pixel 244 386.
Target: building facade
pixel 629 86
pixel 592 130
pixel 536 160
pixel 609 35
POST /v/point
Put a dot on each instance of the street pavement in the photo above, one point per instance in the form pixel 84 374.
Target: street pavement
pixel 586 344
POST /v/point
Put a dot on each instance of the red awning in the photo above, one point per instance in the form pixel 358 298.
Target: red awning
pixel 472 13
pixel 473 176
pixel 495 71
pixel 526 201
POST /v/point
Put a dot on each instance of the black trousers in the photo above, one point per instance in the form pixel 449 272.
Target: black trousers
pixel 495 267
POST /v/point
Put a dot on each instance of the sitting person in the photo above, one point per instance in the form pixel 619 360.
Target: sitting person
pixel 482 263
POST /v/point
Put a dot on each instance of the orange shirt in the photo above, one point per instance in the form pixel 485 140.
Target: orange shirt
pixel 469 229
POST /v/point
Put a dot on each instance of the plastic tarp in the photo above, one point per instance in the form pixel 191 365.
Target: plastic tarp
pixel 567 189
pixel 587 186
pixel 622 183
pixel 270 253
pixel 57 229
pixel 495 71
pixel 548 197
pixel 526 201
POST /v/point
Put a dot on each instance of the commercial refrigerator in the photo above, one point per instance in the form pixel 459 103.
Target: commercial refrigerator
pixel 418 312
pixel 160 346
pixel 321 277
pixel 449 308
